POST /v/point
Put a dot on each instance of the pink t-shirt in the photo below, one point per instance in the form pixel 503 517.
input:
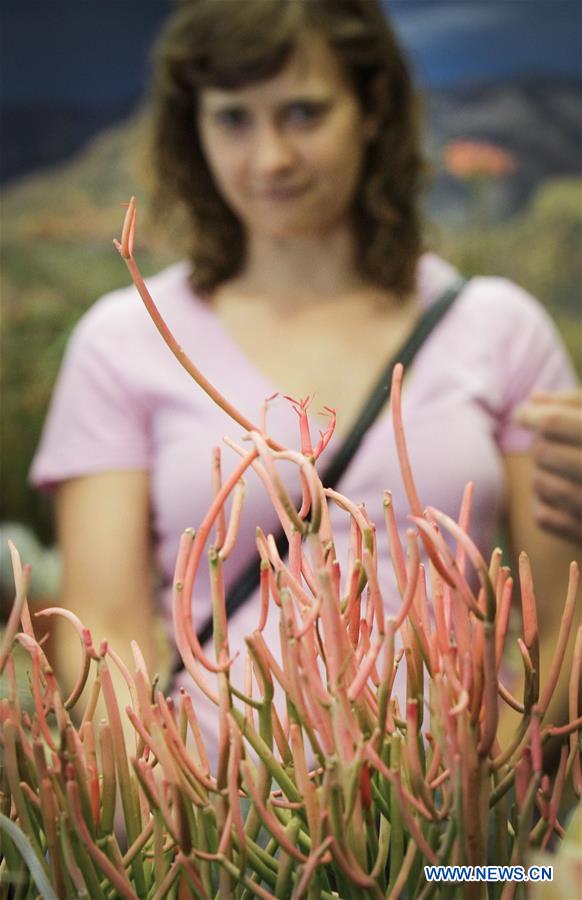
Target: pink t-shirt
pixel 123 402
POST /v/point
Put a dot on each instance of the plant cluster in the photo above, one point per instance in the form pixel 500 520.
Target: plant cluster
pixel 338 791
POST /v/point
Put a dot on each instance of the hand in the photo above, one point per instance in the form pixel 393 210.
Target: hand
pixel 557 455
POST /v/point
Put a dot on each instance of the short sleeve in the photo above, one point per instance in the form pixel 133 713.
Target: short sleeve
pixel 96 420
pixel 531 357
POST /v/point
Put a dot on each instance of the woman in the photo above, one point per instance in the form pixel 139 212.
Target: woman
pixel 289 130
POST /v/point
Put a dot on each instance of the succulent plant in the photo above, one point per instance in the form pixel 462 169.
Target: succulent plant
pixel 340 791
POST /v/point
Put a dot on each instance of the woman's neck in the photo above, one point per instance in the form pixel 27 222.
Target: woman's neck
pixel 293 273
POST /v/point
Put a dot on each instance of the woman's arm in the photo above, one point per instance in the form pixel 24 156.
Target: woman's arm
pixel 550 559
pixel 104 536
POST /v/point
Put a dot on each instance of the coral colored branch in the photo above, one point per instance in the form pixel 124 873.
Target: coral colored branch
pixel 125 250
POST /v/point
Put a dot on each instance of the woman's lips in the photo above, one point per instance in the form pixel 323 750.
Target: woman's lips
pixel 280 194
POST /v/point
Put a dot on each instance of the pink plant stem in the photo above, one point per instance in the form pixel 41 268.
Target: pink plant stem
pixel 410 747
pixel 528 675
pixel 423 607
pixel 125 250
pixel 118 879
pixel 216 485
pixel 523 775
pixel 530 619
pixel 554 805
pixel 349 866
pixel 311 480
pixel 364 670
pixel 31 796
pixel 354 511
pixel 125 673
pixel 451 742
pixel 312 806
pixel 186 700
pixel 186 637
pixel 87 735
pixel 335 638
pixel 180 617
pixel 280 735
pixel 126 785
pixel 406 798
pixel 319 713
pixel 510 699
pixel 495 565
pixel 573 695
pixel 300 407
pixel 295 555
pixel 169 878
pixel 84 673
pixel 290 648
pixel 233 770
pixel 191 872
pixel 354 552
pixel 377 600
pixel 315 857
pixel 264 593
pixel 248 688
pixel 565 626
pixel 536 743
pixel 276 481
pixel 335 572
pixel 50 815
pixel 503 608
pixel 435 762
pixel 400 439
pixel 490 704
pixel 325 436
pixel 474 555
pixel 396 551
pixel 269 819
pixel 21 582
pixel 436 547
pixel 180 752
pixel 310 618
pixel 33 648
pixel 563 730
pixel 305 497
pixel 427 651
pixel 351 613
pixel 260 470
pixel 18 611
pixel 464 520
pixel 257 642
pixel 412 573
pixel 442 636
pixel 325 529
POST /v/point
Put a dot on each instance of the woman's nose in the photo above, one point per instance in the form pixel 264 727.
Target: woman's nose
pixel 273 151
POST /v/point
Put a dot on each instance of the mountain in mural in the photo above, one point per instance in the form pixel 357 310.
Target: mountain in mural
pixel 538 120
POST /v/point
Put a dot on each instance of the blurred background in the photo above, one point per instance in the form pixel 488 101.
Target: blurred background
pixel 502 81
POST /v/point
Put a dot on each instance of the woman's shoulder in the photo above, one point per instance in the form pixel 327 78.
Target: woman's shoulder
pixel 121 313
pixel 494 300
pixel 497 330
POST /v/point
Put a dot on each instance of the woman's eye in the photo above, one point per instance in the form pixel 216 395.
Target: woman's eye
pixel 305 112
pixel 231 117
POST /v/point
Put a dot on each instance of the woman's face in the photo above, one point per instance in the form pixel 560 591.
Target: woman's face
pixel 286 152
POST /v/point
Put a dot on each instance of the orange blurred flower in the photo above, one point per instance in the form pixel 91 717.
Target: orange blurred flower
pixel 465 158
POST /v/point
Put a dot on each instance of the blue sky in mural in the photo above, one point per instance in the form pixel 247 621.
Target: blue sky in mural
pixel 461 40
pixel 97 49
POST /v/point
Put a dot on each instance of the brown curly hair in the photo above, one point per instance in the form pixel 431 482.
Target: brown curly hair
pixel 232 43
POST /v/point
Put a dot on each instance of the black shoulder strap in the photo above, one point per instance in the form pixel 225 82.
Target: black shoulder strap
pixel 249 579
